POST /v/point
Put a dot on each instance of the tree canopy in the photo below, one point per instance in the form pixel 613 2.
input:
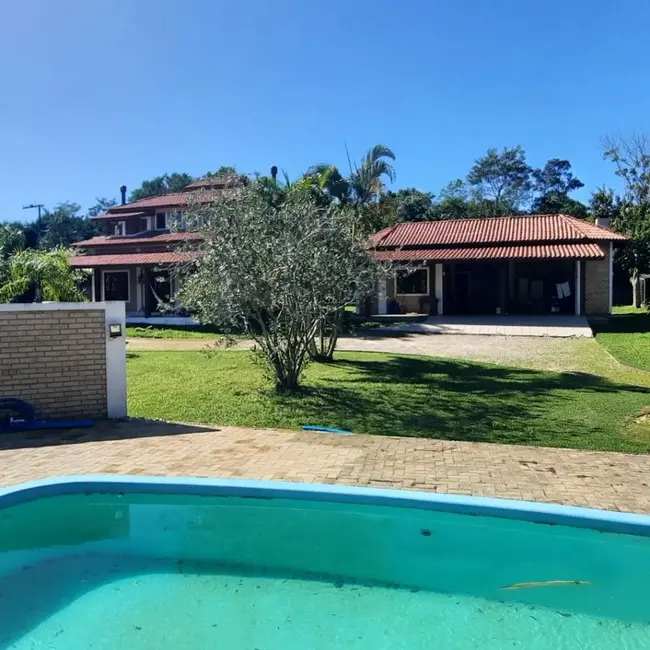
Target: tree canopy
pixel 631 211
pixel 502 180
pixel 165 184
pixel 63 225
pixel 277 269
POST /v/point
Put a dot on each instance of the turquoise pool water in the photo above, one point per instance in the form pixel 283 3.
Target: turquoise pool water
pixel 108 568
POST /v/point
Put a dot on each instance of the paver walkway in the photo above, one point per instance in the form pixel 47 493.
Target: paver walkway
pixel 601 480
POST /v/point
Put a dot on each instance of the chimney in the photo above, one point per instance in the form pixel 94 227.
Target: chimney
pixel 123 193
pixel 603 222
pixel 274 173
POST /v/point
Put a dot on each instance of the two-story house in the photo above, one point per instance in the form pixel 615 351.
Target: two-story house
pixel 135 260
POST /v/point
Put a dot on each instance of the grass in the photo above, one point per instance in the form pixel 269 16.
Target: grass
pixel 404 396
pixel 626 336
pixel 170 332
pixel 628 309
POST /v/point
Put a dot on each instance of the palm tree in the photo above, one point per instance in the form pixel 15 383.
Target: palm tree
pixel 365 182
pixel 367 179
pixel 46 272
pixel 329 180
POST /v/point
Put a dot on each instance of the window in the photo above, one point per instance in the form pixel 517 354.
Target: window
pixel 116 285
pixel 119 228
pixel 161 221
pixel 144 224
pixel 413 284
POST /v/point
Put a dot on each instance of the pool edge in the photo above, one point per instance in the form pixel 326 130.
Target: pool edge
pixel 536 512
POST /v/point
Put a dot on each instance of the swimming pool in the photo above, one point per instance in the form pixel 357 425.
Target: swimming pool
pixel 109 562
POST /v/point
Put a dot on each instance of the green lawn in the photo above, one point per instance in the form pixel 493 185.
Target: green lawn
pixel 398 395
pixel 626 336
pixel 628 309
pixel 193 332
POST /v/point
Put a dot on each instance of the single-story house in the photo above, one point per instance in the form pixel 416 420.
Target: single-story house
pixel 538 264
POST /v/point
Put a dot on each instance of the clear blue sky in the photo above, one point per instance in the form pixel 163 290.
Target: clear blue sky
pixel 96 93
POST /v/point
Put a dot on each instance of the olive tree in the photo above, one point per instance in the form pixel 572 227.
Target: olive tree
pixel 279 270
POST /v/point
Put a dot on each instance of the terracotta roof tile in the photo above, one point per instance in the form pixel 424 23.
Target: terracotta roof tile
pixel 121 215
pixel 475 253
pixel 215 182
pixel 534 228
pixel 150 237
pixel 175 200
pixel 88 261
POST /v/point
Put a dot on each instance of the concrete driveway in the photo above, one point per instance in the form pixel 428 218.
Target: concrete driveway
pixel 545 353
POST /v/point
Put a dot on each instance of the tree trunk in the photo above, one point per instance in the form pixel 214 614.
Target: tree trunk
pixel 327 340
pixel 287 381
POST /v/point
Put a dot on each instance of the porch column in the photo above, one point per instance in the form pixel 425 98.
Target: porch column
pixel 578 288
pixel 439 285
pixel 140 291
pixel 93 296
pixel 382 304
pixel 511 281
pixel 611 276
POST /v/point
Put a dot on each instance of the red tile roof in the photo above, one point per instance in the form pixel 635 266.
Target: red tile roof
pixel 175 200
pixel 530 252
pixel 150 237
pixel 534 228
pixel 121 215
pixel 215 181
pixel 88 261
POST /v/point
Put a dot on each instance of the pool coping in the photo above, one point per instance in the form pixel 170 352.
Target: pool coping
pixel 535 512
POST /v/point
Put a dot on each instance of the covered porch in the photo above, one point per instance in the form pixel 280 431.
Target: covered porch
pixel 146 289
pixel 494 288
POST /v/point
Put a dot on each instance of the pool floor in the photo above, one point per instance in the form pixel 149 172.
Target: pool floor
pixel 106 603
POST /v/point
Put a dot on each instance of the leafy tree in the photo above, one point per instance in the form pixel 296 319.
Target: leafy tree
pixel 632 159
pixel 457 201
pixel 102 205
pixel 12 240
pixel 45 274
pixel 604 204
pixel 165 184
pixel 631 156
pixel 554 182
pixel 224 170
pixel 277 271
pixel 64 225
pixel 502 181
pixel 556 177
pixel 409 204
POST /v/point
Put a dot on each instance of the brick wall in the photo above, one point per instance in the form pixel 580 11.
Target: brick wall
pixel 597 281
pixel 56 360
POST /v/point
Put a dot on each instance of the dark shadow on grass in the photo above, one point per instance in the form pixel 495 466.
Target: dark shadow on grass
pixel 456 400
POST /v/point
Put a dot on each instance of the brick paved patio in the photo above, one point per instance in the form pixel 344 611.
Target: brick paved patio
pixel 596 479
